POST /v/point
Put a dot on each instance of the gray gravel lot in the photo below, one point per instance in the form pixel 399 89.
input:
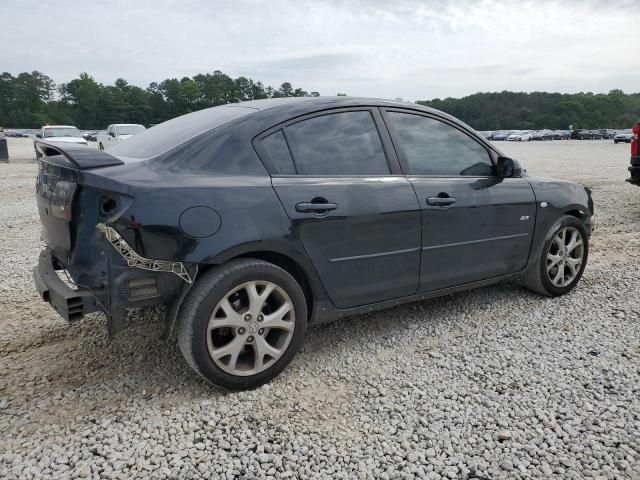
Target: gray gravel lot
pixel 497 382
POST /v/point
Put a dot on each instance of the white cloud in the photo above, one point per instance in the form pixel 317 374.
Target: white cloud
pixel 412 49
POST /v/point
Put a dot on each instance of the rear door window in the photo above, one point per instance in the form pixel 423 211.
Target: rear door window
pixel 344 143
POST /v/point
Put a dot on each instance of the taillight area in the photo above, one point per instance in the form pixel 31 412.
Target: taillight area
pixel 635 147
pixel 108 206
pixel 62 199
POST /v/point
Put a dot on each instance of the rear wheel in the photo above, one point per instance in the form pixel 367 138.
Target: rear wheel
pixel 242 323
pixel 561 260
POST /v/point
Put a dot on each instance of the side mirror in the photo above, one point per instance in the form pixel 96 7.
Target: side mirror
pixel 508 167
pixel 112 134
pixel 38 135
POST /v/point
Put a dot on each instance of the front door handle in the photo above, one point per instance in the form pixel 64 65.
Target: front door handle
pixel 319 208
pixel 441 201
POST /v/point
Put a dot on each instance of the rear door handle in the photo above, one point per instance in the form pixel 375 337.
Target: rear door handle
pixel 309 207
pixel 441 201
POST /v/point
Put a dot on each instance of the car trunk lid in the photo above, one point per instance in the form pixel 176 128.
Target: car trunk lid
pixel 58 185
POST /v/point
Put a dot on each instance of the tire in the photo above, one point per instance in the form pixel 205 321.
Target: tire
pixel 207 298
pixel 615 141
pixel 536 277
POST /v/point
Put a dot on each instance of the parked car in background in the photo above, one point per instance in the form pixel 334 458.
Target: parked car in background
pixel 17 133
pixel 487 134
pixel 624 136
pixel 561 134
pixel 116 133
pixel 524 136
pixel 581 135
pixel 542 135
pixel 587 135
pixel 501 135
pixel 607 133
pixel 252 220
pixel 67 134
pixel 596 134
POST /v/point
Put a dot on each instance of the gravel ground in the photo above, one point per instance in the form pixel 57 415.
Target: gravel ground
pixel 497 382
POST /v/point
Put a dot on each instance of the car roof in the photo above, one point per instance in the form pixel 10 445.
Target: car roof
pixel 273 110
pixel 322 102
pixel 248 120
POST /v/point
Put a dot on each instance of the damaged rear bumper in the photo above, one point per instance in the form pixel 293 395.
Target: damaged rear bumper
pixel 69 303
pixel 116 285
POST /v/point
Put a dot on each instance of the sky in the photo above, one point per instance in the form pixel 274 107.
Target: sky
pixel 406 48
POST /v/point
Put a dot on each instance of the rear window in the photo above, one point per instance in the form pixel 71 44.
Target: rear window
pixel 162 138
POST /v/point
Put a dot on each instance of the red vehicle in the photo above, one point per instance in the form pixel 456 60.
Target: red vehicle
pixel 634 169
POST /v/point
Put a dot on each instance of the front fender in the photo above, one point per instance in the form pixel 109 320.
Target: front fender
pixel 555 198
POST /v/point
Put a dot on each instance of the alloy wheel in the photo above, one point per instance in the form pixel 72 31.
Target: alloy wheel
pixel 565 256
pixel 250 328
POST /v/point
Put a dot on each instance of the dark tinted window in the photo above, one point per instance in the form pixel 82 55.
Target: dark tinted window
pixel 344 143
pixel 278 151
pixel 163 137
pixel 435 148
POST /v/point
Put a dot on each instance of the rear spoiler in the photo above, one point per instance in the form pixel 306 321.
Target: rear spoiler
pixel 82 157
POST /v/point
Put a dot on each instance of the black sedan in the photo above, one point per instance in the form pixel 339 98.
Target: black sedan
pixel 250 221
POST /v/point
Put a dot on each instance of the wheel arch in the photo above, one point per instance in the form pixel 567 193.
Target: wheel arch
pixel 582 215
pixel 286 262
pixel 576 212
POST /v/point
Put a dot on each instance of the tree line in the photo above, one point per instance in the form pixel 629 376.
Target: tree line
pixel 30 100
pixel 538 110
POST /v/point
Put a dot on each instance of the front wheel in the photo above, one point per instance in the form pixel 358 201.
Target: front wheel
pixel 242 323
pixel 561 260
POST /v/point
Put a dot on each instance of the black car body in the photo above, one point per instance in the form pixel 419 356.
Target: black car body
pixel 323 188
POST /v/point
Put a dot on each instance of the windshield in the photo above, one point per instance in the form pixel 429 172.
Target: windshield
pixel 128 129
pixel 624 132
pixel 61 132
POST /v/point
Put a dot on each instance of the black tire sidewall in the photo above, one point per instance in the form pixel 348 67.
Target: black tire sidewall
pixel 216 290
pixel 567 221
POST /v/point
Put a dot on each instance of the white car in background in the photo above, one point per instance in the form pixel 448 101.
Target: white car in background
pixel 519 137
pixel 116 133
pixel 623 136
pixel 60 134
